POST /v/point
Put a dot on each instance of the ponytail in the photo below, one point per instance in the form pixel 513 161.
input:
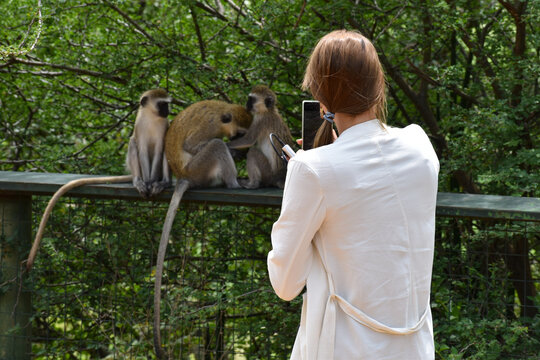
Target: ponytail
pixel 325 135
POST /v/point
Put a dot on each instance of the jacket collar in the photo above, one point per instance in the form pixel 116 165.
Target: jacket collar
pixel 362 130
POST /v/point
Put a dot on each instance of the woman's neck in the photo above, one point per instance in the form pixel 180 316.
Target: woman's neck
pixel 344 121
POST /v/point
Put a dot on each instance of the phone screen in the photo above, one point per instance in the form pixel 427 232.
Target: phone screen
pixel 311 121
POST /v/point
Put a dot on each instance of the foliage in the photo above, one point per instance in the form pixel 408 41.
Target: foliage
pixel 466 71
pixel 10 50
pixel 470 338
pixel 474 299
pixel 92 285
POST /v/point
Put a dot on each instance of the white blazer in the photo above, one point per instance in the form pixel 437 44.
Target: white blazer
pixel 357 228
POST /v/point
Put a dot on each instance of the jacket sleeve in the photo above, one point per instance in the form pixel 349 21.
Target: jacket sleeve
pixel 302 213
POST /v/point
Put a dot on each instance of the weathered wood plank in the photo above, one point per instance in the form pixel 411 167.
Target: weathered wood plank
pixel 448 204
pixel 488 206
pixel 32 183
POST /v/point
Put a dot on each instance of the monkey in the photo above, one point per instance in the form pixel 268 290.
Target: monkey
pixel 264 166
pixel 145 158
pixel 198 157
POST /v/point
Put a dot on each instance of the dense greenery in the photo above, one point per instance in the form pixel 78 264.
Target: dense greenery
pixel 217 300
pixel 92 286
pixel 467 71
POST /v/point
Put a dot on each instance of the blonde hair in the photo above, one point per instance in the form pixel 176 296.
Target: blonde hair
pixel 344 73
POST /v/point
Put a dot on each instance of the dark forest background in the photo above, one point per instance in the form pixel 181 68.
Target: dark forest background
pixel 467 71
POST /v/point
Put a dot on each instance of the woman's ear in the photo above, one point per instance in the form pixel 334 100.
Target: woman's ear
pixel 324 108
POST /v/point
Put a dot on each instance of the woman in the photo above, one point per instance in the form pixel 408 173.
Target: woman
pixel 357 222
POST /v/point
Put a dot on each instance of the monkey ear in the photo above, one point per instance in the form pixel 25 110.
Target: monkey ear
pixel 269 102
pixel 226 118
pixel 144 100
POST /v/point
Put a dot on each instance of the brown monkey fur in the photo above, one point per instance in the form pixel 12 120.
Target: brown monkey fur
pixel 198 157
pixel 191 130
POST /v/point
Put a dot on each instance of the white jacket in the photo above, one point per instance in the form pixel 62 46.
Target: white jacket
pixel 357 228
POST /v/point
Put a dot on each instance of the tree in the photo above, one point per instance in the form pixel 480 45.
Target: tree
pixel 466 71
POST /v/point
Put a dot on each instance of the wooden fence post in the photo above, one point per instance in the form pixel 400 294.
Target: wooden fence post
pixel 15 298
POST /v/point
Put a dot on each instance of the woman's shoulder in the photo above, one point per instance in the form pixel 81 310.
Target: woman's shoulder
pixel 415 136
pixel 313 160
pixel 313 157
pixel 412 129
pixel 413 133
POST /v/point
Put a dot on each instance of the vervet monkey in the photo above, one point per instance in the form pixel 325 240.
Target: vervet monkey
pixel 198 157
pixel 145 158
pixel 264 166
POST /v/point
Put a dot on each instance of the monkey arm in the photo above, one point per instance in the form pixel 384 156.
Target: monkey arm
pixel 238 144
pixel 156 172
pixel 245 141
pixel 134 166
pixel 132 158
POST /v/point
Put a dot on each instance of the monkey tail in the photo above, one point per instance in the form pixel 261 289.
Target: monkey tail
pixel 179 190
pixel 70 185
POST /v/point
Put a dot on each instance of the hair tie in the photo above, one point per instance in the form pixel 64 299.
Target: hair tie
pixel 329 116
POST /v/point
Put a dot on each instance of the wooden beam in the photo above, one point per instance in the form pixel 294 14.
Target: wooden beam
pixel 33 183
pixel 448 204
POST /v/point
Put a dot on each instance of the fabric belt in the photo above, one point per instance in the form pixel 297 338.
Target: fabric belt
pixel 326 343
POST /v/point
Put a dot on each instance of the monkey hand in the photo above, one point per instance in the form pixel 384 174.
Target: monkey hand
pixel 141 186
pixel 248 184
pixel 158 187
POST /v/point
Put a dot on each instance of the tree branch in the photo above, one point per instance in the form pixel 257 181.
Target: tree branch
pixel 302 10
pixel 36 73
pixel 143 32
pixel 484 63
pixel 94 99
pixel 247 34
pixel 105 133
pixel 427 26
pixel 519 45
pixel 423 75
pixel 67 68
pixel 239 10
pixel 134 23
pixel 387 26
pixel 400 104
pixel 198 32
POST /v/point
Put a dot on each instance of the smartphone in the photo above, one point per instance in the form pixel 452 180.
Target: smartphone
pixel 311 122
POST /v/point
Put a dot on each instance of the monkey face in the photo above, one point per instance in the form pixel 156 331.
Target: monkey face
pixel 249 105
pixel 157 101
pixel 229 127
pixel 269 102
pixel 163 108
pixel 259 103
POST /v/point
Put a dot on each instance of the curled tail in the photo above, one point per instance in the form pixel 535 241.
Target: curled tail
pixel 179 190
pixel 64 189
